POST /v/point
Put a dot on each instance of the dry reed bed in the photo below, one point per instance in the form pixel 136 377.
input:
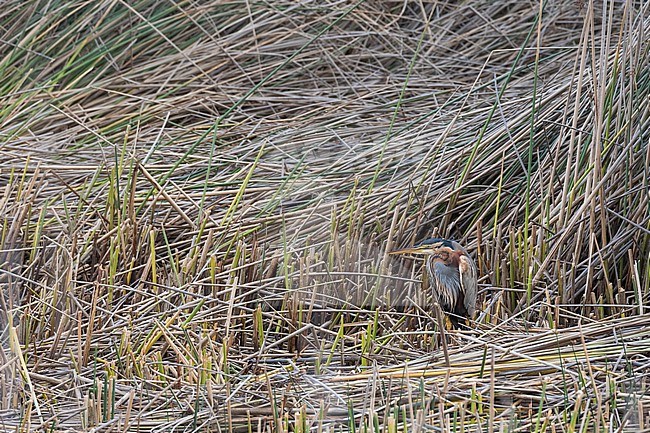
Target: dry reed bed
pixel 198 203
pixel 507 378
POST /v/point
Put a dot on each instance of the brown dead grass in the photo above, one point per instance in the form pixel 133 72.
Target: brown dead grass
pixel 198 199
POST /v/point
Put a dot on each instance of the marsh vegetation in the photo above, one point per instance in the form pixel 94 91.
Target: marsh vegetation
pixel 198 199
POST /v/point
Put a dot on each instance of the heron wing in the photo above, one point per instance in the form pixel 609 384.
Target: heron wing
pixel 468 281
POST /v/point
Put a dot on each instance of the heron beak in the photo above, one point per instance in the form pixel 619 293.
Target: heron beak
pixel 408 250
